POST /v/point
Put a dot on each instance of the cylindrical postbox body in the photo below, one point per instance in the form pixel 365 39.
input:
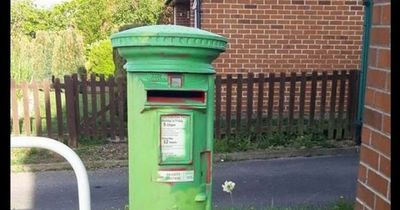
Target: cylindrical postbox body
pixel 170 90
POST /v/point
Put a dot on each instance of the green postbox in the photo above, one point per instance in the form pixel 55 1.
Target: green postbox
pixel 170 89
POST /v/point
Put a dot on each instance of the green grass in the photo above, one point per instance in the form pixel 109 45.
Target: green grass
pixel 31 155
pixel 277 140
pixel 21 156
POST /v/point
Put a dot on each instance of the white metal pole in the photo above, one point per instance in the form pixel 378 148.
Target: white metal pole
pixel 68 154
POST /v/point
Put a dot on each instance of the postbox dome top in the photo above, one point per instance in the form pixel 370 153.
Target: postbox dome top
pixel 169 35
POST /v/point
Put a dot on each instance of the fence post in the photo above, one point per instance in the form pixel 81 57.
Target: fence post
pixel 239 103
pixel 71 113
pixel 332 117
pixel 303 82
pixel 94 105
pixel 57 90
pixel 46 87
pixel 27 120
pixel 103 106
pixel 14 109
pixel 121 109
pixel 77 88
pixel 292 92
pixel 281 100
pixel 312 99
pixel 228 104
pixel 218 106
pixel 85 128
pixel 260 103
pixel 112 102
pixel 38 120
pixel 249 93
pixel 271 91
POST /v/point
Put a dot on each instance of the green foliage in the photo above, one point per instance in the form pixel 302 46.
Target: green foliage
pixel 147 11
pixel 100 58
pixel 93 19
pixel 98 19
pixel 43 47
pixel 21 58
pixel 26 18
pixel 50 53
pixel 31 57
pixel 62 16
pixel 56 40
pixel 68 53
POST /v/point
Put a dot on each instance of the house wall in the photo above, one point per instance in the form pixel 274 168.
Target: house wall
pixel 374 176
pixel 286 35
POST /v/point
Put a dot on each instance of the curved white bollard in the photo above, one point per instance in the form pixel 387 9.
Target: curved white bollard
pixel 68 154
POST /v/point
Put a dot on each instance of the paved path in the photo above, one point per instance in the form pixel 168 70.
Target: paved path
pixel 292 181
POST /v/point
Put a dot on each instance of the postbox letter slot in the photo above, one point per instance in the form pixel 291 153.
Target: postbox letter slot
pixel 174 96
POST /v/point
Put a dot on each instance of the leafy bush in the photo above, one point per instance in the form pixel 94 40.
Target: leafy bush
pixel 100 58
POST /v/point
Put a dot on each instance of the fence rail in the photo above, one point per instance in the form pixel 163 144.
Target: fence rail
pixel 96 107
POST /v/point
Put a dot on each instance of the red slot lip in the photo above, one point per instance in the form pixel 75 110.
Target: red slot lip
pixel 175 97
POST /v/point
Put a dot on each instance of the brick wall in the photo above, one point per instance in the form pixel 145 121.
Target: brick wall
pixel 374 177
pixel 286 35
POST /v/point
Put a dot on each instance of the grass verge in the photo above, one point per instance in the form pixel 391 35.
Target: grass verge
pixel 278 140
pixel 341 204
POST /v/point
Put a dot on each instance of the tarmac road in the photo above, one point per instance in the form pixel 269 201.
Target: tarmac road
pixel 259 183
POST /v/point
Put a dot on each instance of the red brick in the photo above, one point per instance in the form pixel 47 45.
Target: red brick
pixel 384 58
pixel 372 118
pixel 376 15
pixel 381 204
pixel 362 173
pixel 369 157
pixel 382 101
pixel 366 135
pixel 388 84
pixel 386 124
pixel 376 78
pixel 380 36
pixel 377 182
pixel 372 56
pixel 384 166
pixel 358 206
pixel 386 15
pixel 370 97
pixel 381 143
pixel 365 195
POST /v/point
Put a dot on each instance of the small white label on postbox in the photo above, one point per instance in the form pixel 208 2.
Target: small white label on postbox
pixel 173 136
pixel 175 176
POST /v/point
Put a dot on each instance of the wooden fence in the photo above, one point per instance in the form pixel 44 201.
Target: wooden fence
pixel 294 103
pixel 73 109
pixel 95 107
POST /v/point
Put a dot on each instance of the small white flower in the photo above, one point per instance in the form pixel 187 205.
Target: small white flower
pixel 228 186
pixel 222 160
